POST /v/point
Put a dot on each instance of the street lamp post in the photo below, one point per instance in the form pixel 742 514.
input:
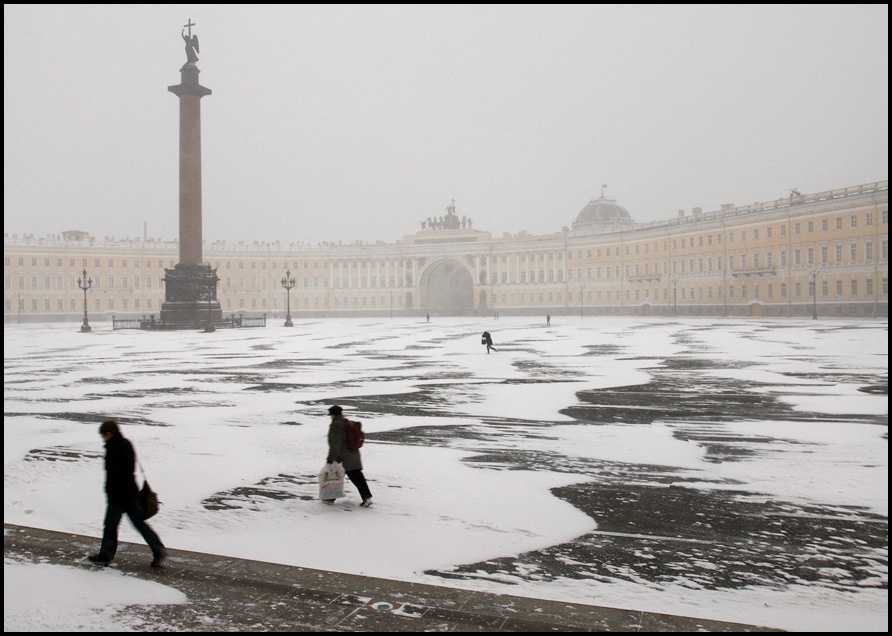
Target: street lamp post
pixel 814 292
pixel 391 303
pixel 581 303
pixel 675 295
pixel 288 283
pixel 85 284
pixel 209 328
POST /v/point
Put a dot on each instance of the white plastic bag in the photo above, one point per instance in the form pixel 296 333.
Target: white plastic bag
pixel 331 481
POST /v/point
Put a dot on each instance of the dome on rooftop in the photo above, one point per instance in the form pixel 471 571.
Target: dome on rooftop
pixel 602 214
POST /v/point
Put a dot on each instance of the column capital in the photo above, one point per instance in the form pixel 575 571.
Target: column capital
pixel 189 82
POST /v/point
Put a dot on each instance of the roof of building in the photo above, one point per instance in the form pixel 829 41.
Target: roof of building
pixel 602 214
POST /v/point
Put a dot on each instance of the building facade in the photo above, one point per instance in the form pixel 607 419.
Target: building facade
pixel 820 254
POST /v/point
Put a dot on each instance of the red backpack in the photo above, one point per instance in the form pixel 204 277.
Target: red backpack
pixel 355 436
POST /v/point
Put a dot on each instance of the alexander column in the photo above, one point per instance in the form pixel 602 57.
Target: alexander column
pixel 191 287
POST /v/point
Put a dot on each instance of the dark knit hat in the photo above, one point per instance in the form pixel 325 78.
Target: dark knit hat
pixel 335 410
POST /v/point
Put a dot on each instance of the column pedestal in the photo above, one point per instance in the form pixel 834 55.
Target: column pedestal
pixel 191 295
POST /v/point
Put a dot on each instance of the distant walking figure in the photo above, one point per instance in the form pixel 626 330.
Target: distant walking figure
pixel 487 340
pixel 548 319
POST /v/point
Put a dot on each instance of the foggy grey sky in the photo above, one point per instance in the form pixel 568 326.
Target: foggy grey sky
pixel 332 123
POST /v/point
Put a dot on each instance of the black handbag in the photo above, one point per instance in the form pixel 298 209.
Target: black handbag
pixel 147 498
pixel 148 501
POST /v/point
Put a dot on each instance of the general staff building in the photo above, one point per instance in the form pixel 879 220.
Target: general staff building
pixel 825 253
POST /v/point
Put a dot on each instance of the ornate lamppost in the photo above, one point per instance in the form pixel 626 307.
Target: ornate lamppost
pixel 675 295
pixel 814 292
pixel 209 328
pixel 85 284
pixel 288 283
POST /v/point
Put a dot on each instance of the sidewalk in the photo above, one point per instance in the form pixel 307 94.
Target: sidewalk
pixel 228 594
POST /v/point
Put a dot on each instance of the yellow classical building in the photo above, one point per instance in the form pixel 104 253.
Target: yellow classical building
pixel 822 254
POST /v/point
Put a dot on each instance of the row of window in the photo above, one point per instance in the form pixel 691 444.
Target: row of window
pixel 703 265
pixel 75 283
pixel 639 295
pixel 685 293
pixel 239 303
pixel 677 292
pixel 704 240
pixel 97 262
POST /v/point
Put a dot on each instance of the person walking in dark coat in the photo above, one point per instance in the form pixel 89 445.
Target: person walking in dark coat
pixel 487 340
pixel 338 452
pixel 122 494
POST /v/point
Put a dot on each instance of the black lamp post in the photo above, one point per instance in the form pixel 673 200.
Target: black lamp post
pixel 85 284
pixel 288 283
pixel 675 295
pixel 209 328
pixel 814 292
